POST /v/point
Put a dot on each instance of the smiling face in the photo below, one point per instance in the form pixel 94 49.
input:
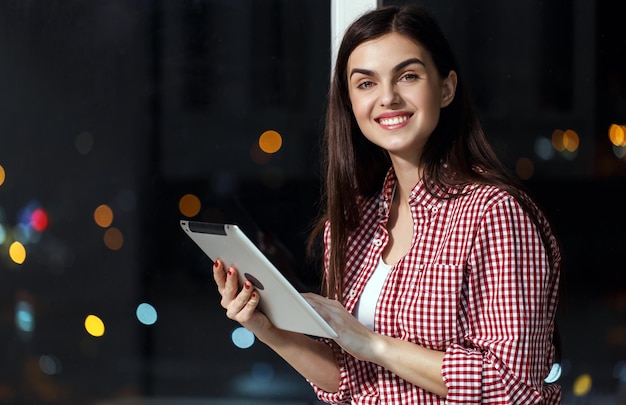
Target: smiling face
pixel 396 94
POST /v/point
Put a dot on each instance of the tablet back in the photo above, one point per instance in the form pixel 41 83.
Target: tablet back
pixel 280 301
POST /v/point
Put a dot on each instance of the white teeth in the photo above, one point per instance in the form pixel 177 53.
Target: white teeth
pixel 394 120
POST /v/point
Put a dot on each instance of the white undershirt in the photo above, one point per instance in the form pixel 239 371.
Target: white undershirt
pixel 366 308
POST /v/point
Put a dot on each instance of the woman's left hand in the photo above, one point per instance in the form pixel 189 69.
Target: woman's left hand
pixel 354 337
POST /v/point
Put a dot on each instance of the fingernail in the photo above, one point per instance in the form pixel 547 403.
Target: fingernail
pixel 230 271
pixel 216 264
pixel 247 285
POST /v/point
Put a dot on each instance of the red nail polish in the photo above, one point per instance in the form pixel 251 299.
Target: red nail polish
pixel 230 271
pixel 247 285
pixel 216 264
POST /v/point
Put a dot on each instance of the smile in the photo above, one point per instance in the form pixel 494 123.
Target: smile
pixel 393 120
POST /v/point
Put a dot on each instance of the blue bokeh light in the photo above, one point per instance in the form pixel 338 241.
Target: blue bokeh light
pixel 242 338
pixel 146 314
pixel 24 317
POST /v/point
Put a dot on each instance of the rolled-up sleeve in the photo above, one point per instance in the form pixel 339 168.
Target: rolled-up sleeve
pixel 342 396
pixel 510 302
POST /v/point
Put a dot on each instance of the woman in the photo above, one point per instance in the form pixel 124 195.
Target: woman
pixel 441 273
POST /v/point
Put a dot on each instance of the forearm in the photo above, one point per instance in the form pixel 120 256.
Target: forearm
pixel 413 363
pixel 313 359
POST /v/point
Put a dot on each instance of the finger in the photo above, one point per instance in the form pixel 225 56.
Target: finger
pixel 315 300
pixel 249 309
pixel 242 307
pixel 231 287
pixel 219 275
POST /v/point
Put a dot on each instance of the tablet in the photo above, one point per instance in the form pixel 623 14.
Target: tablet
pixel 280 301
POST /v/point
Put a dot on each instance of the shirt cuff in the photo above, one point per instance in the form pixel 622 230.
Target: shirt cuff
pixel 462 371
pixel 342 396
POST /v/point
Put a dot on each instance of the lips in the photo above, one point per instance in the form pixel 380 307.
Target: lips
pixel 393 120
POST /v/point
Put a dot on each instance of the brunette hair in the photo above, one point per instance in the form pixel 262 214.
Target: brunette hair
pixel 355 168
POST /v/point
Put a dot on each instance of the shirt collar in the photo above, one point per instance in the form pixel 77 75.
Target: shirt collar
pixel 429 197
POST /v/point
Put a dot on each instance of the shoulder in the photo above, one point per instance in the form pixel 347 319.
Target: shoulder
pixel 484 196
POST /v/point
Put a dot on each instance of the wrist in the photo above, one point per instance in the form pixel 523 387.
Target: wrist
pixel 379 347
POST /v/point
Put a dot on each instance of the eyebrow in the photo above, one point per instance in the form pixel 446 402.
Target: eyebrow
pixel 395 69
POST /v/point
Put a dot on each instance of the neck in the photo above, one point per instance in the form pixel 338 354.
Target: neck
pixel 408 175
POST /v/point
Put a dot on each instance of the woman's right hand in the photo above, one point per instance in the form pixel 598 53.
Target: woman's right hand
pixel 240 304
pixel 312 358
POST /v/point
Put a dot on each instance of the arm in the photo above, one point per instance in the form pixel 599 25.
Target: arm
pixel 313 359
pixel 510 304
pixel 414 363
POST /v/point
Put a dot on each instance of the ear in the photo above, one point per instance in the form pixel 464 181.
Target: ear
pixel 448 89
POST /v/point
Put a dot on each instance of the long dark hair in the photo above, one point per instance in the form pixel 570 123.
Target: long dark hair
pixel 355 168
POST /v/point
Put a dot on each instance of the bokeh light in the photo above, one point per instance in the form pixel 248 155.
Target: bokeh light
pixel 3 234
pixel 619 151
pixel 571 141
pixel 17 252
pixel 270 141
pixel 2 175
pixel 113 239
pixel 582 385
pixel 555 374
pixel 94 325
pixel 103 215
pixel 146 314
pixel 25 233
pixel 189 205
pixel 242 338
pixel 50 364
pixel 617 134
pixel 619 371
pixel 39 220
pixel 543 148
pixel 567 140
pixel 24 317
pixel 262 372
pixel 557 140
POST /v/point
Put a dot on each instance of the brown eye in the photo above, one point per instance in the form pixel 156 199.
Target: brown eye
pixel 409 77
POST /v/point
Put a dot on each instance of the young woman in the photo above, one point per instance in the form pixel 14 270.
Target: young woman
pixel 441 273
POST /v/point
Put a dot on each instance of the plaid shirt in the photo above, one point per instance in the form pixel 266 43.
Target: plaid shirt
pixel 476 284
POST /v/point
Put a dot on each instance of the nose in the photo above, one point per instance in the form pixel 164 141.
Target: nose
pixel 389 95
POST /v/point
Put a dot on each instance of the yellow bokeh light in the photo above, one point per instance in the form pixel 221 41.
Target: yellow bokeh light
pixel 270 141
pixel 17 251
pixel 570 140
pixel 557 140
pixel 617 135
pixel 567 140
pixel 113 239
pixel 582 385
pixel 524 168
pixel 103 215
pixel 94 325
pixel 189 205
pixel 2 175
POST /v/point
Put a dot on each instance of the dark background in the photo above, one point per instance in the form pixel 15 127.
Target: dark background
pixel 134 104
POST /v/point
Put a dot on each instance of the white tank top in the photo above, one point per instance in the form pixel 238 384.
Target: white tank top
pixel 366 307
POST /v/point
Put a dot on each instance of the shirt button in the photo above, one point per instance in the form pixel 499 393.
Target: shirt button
pixel 381 210
pixel 378 242
pixel 435 209
pixel 353 293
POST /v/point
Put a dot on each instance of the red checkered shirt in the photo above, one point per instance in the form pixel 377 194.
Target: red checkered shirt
pixel 476 284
